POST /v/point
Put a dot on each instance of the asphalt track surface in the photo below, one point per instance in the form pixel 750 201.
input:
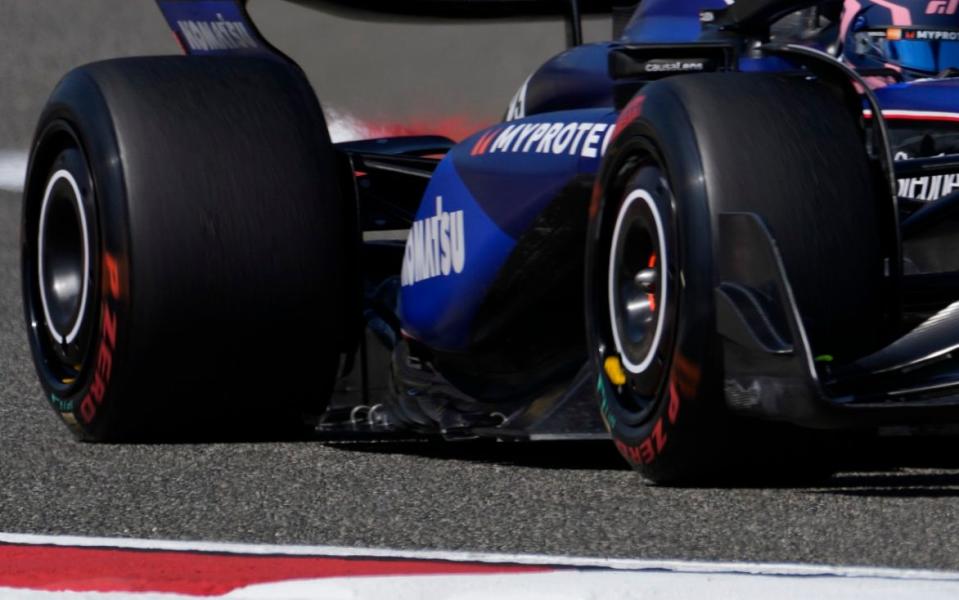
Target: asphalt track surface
pixel 895 503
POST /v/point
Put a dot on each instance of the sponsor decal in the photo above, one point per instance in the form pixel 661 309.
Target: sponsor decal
pixel 674 66
pixel 942 7
pixel 517 106
pixel 931 35
pixel 108 340
pixel 926 188
pixel 436 246
pixel 482 145
pixel 588 140
pixel 206 36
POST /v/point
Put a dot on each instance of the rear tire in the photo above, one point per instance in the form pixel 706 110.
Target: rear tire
pixel 208 242
pixel 692 147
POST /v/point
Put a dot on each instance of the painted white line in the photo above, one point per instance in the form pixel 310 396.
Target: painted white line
pixel 575 585
pixel 598 585
pixel 619 564
pixel 13 170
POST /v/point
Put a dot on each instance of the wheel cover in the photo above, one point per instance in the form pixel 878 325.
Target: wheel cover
pixel 63 259
pixel 636 289
pixel 59 261
pixel 637 281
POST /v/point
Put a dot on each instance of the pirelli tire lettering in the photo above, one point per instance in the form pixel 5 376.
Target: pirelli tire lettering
pixel 107 344
pixel 645 451
pixel 644 379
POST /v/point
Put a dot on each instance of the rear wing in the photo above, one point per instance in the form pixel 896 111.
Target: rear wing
pixel 214 27
pixel 224 26
pixel 467 9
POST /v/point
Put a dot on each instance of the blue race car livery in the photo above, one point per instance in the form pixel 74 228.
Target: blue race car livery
pixel 718 239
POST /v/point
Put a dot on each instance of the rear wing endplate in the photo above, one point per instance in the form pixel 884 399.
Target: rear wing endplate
pixel 215 28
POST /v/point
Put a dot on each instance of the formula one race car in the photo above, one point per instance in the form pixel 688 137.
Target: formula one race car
pixel 690 240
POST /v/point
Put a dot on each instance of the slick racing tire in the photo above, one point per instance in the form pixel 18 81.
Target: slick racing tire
pixel 185 249
pixel 686 149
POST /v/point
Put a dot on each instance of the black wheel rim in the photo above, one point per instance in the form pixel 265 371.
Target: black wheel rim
pixel 63 258
pixel 639 292
pixel 59 258
pixel 637 278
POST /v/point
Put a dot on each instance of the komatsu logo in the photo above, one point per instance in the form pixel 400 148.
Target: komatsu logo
pixel 216 35
pixel 436 246
pixel 588 140
pixel 927 188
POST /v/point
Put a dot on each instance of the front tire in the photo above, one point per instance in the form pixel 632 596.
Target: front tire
pixel 780 146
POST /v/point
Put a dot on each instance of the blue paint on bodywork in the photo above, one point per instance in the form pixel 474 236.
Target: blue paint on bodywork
pixel 438 310
pixel 514 185
pixel 577 78
pixel 665 21
pixel 501 191
pixel 937 95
